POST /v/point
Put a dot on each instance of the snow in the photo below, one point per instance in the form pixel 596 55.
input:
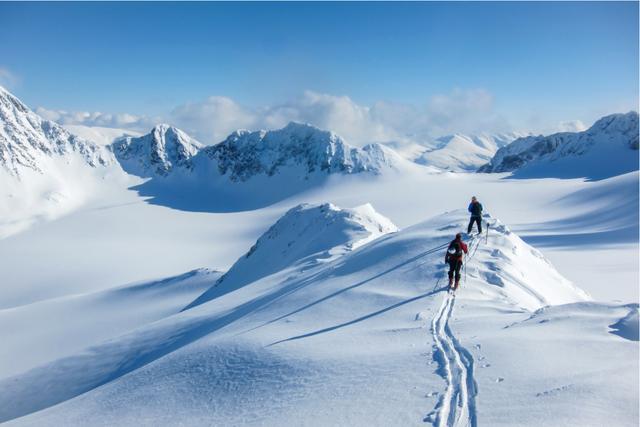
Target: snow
pixel 306 234
pixel 284 276
pixel 60 327
pixel 341 343
pixel 627 327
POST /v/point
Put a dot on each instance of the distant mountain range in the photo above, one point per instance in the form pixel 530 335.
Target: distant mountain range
pixel 465 153
pixel 608 148
pixel 301 151
pixel 243 155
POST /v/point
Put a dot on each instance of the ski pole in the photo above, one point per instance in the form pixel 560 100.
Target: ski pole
pixel 486 242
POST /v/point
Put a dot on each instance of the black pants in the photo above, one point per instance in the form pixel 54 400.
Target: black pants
pixel 454 267
pixel 477 220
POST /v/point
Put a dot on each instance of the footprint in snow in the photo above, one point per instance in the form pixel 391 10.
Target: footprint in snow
pixel 554 390
pixel 486 365
pixel 431 394
pixel 477 346
pixel 499 379
pixel 421 316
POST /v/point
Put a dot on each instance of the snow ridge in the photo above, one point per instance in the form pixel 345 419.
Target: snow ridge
pixel 616 131
pixel 25 138
pixel 309 234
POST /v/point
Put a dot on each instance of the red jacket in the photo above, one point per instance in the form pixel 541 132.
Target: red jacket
pixel 464 247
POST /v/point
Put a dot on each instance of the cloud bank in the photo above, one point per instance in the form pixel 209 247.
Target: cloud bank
pixel 120 121
pixel 212 119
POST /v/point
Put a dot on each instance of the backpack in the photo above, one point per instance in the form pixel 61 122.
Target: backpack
pixel 455 249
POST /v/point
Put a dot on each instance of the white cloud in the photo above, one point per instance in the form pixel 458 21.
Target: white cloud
pixel 571 126
pixel 337 113
pixel 121 121
pixel 212 119
pixel 460 111
pixel 8 79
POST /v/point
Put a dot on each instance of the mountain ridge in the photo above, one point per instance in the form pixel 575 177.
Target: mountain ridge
pixel 25 138
pixel 611 136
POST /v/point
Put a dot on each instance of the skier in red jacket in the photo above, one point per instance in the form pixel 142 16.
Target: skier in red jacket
pixel 455 253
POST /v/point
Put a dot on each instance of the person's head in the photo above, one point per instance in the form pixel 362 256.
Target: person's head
pixel 458 236
pixel 473 199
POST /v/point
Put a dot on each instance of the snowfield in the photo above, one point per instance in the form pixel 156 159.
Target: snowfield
pixel 285 277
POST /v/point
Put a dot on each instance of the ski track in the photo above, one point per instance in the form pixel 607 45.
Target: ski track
pixel 457 405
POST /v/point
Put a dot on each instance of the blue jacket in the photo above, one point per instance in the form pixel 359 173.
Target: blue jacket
pixel 475 208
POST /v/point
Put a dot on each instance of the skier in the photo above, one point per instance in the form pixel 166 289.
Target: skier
pixel 475 208
pixel 455 252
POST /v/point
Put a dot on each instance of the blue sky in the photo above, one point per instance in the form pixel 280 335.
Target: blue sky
pixel 499 65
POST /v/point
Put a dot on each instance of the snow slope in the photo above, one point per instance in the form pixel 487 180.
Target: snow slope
pixel 606 149
pixel 59 327
pixel 368 337
pixel 306 234
pixel 465 153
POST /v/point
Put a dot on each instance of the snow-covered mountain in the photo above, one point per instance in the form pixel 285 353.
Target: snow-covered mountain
pixel 249 170
pixel 608 148
pixel 299 150
pixel 464 153
pixel 26 139
pixel 305 234
pixel 45 171
pixel 245 154
pixel 156 153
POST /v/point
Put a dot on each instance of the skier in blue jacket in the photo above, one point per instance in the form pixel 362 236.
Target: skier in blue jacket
pixel 475 208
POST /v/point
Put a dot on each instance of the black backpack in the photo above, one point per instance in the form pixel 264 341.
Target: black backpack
pixel 455 249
